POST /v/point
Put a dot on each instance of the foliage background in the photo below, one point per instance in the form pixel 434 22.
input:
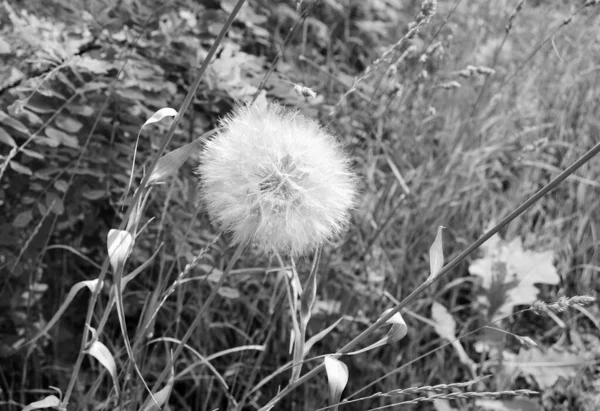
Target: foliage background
pixel 434 143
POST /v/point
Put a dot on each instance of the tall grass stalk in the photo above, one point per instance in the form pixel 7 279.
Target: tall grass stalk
pixel 138 194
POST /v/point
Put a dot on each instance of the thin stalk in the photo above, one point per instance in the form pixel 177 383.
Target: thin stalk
pixel 184 106
pixel 445 270
pixel 199 316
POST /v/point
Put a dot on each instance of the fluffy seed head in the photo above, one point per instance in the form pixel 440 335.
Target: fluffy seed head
pixel 275 178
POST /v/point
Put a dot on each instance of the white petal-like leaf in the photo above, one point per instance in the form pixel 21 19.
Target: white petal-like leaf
pixel 445 326
pixel 397 332
pixel 48 402
pixel 337 377
pixel 119 246
pixel 160 114
pixel 436 255
pixel 161 396
pixel 100 352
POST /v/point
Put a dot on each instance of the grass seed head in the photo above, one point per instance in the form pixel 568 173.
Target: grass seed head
pixel 275 178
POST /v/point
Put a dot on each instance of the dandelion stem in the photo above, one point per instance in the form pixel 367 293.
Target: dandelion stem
pixel 445 270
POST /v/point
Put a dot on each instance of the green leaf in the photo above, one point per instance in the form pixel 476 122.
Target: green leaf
pixel 436 255
pixel 62 137
pixel 546 366
pixel 160 114
pixel 512 404
pixel 171 162
pixel 20 168
pixel 7 138
pixel 100 352
pixel 228 292
pixel 94 194
pixel 397 332
pixel 13 123
pixel 508 274
pixel 337 377
pixel 445 327
pixel 22 219
pixel 119 243
pixel 161 397
pixel 50 401
pixel 69 124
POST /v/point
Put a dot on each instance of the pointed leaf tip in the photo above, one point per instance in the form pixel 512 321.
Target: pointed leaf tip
pixel 171 162
pixel 119 246
pixel 50 401
pixel 397 331
pixel 100 352
pixel 436 255
pixel 337 376
pixel 160 114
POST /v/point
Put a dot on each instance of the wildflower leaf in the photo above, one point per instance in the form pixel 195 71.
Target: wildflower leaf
pixel 508 274
pixel 397 332
pixel 20 168
pixel 70 125
pixel 61 137
pixel 318 337
pixel 50 401
pixel 436 255
pixel 337 377
pixel 91 284
pixel 13 123
pixel 229 292
pixel 511 404
pixel 161 397
pixel 160 114
pixel 23 219
pixel 546 366
pixel 171 162
pixel 445 327
pixel 119 246
pixel 6 138
pixel 100 352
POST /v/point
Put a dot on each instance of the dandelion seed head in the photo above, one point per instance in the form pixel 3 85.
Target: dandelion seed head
pixel 276 178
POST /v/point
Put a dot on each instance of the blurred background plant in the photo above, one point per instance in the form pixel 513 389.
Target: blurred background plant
pixel 456 126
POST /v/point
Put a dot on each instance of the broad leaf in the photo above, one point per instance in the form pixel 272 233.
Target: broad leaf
pixel 171 162
pixel 445 327
pixel 100 352
pixel 436 255
pixel 508 274
pixel 546 366
pixel 119 244
pixel 337 377
pixel 512 404
pixel 50 401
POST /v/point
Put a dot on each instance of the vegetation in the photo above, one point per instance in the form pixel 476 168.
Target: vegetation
pixel 121 276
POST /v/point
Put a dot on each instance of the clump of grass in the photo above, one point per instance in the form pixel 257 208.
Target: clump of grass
pixel 268 180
